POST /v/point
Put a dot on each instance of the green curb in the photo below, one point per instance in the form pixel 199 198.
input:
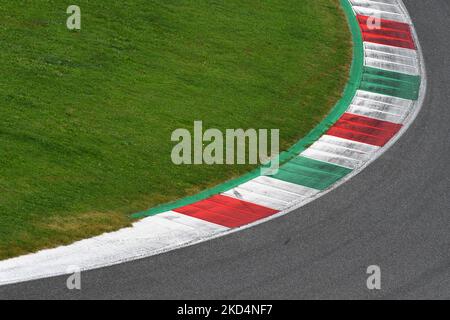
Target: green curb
pixel 391 83
pixel 311 173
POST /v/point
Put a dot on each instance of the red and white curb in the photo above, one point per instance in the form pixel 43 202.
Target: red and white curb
pixel 383 108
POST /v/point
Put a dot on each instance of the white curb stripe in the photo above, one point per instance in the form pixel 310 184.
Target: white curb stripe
pixel 355 145
pixel 391 58
pixel 269 191
pixel 395 101
pixel 342 152
pixel 380 107
pixel 395 51
pixel 257 198
pixel 384 9
pixel 300 191
pixel 147 237
pixel 272 193
pixel 197 224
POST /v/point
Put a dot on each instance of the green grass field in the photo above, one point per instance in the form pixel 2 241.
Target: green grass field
pixel 86 117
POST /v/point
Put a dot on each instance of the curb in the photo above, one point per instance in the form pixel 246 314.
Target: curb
pixel 383 97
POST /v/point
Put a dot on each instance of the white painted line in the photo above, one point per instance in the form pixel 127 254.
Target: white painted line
pixel 391 59
pixel 343 153
pixel 300 191
pixel 394 101
pixel 355 145
pixel 257 198
pixel 387 9
pixel 197 224
pixel 375 114
pixel 269 191
pixel 396 51
pixel 380 107
pixel 147 237
pixel 390 66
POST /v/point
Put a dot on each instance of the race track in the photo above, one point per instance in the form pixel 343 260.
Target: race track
pixel 395 214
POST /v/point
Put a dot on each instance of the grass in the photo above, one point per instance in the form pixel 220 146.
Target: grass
pixel 86 117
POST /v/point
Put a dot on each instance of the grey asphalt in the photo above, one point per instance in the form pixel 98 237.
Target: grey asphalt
pixel 395 214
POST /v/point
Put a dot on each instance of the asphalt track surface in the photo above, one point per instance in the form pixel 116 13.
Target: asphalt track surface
pixel 395 214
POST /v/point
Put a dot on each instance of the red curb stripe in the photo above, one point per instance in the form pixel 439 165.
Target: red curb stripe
pixel 226 211
pixel 363 129
pixel 391 33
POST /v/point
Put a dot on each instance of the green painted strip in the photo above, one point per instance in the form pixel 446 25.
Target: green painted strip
pixel 337 111
pixel 311 173
pixel 321 166
pixel 349 91
pixel 391 83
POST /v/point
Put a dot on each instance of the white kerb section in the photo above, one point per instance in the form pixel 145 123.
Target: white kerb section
pixel 384 9
pixel 149 236
pixel 391 58
pixel 341 152
pixel 272 193
pixel 381 107
pixel 258 196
